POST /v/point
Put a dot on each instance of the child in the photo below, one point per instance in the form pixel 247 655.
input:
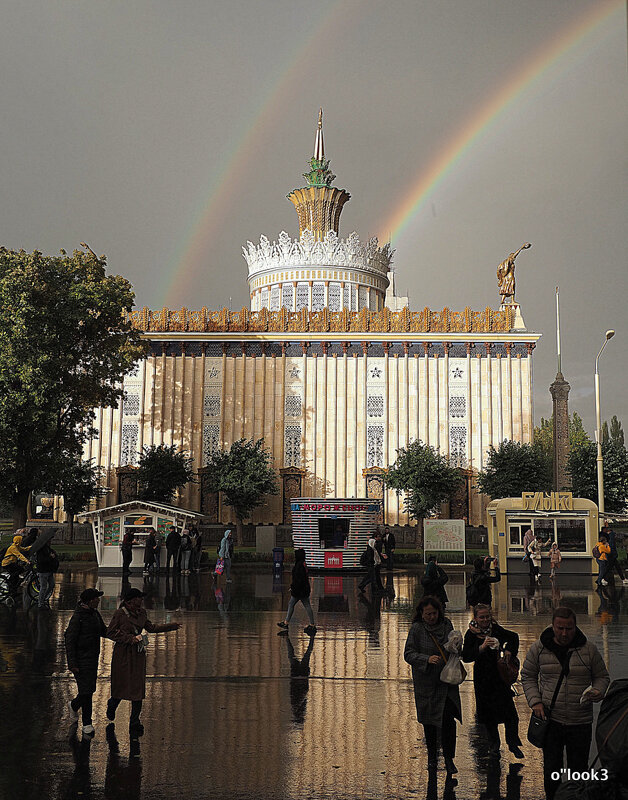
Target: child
pixel 555 559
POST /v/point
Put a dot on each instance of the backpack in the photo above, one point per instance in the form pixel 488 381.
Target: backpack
pixel 364 558
pixel 472 593
pixel 596 552
pixel 186 543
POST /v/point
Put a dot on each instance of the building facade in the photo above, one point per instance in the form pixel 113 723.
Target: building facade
pixel 332 379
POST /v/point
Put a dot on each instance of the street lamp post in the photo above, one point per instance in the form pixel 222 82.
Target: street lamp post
pixel 598 435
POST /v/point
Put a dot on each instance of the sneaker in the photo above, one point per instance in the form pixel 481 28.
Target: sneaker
pixel 229 580
pixel 89 730
pixel 604 583
pixel 111 711
pixel 625 581
pixel 73 713
pixel 283 625
pixel 310 629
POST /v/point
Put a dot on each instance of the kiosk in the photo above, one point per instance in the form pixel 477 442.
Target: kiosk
pixel 333 532
pixel 110 524
pixel 571 522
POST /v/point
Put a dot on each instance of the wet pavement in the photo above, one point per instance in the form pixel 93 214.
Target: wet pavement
pixel 235 711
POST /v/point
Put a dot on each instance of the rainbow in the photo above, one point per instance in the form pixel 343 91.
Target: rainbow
pixel 226 184
pixel 458 147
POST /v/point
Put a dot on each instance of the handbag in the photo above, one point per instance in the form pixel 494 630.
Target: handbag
pixel 220 566
pixel 537 728
pixel 508 670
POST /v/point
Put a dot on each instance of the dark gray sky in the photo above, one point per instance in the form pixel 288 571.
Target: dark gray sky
pixel 167 134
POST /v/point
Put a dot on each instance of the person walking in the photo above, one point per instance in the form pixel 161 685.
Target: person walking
pixel 82 647
pixel 485 643
pixel 173 543
pixel 225 552
pixel 437 703
pixel 157 551
pixel 562 660
pixel 601 553
pixel 150 545
pixel 534 553
pixel 197 552
pixel 128 664
pixel 373 561
pixel 527 539
pixel 555 557
pixel 479 589
pixel 613 556
pixel 127 551
pixel 389 547
pixel 299 591
pixel 47 563
pixel 186 552
pixel 434 580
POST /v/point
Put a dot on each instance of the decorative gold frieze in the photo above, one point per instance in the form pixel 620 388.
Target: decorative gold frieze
pixel 384 321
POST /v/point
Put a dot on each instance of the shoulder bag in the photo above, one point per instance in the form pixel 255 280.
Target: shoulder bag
pixel 537 728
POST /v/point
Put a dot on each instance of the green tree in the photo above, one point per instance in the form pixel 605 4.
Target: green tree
pixel 615 434
pixel 544 434
pixel 425 478
pixel 65 345
pixel 162 470
pixel 582 465
pixel 245 476
pixel 514 468
pixel 78 482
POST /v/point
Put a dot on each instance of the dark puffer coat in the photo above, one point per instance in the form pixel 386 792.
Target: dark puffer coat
pixel 82 646
pixel 300 586
pixel 493 698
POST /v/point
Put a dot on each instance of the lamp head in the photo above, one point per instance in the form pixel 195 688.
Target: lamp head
pixel 609 335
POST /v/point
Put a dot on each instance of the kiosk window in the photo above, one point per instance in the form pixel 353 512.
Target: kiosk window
pixel 571 535
pixel 333 533
pixel 516 532
pixel 544 528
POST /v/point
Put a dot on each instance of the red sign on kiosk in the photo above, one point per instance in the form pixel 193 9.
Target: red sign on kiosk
pixel 333 559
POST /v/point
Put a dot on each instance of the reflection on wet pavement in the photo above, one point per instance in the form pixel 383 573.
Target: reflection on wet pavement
pixel 235 711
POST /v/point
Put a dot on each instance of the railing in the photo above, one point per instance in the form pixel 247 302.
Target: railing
pixel 282 321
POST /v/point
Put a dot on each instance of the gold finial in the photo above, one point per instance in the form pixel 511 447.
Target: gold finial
pixel 319 146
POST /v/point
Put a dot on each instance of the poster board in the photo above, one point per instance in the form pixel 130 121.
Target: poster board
pixel 444 538
pixel 112 531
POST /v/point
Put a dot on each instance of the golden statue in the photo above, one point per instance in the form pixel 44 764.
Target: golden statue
pixel 506 274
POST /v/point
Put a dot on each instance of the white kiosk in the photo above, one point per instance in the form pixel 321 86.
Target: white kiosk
pixel 109 526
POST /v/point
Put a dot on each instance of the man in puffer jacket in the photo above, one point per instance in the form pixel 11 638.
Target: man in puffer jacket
pixel 564 646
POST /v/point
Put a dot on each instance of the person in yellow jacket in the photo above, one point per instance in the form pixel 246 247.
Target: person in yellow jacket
pixel 602 557
pixel 13 560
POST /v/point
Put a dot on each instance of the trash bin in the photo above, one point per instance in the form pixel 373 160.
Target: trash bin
pixel 277 557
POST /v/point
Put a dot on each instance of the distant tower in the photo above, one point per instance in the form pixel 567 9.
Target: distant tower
pixel 560 403
pixel 318 270
pixel 319 204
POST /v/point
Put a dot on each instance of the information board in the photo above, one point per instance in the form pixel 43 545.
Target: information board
pixel 164 526
pixel 112 531
pixel 445 539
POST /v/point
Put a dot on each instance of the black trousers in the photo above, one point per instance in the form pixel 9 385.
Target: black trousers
pixel 127 557
pixel 447 734
pixel 84 702
pixel 576 740
pixel 613 564
pixel 511 729
pixel 171 554
pixel 136 709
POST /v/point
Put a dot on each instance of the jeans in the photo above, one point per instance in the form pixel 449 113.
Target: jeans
pixel 227 568
pixel 84 702
pixel 603 567
pixel 46 586
pixel 576 739
pixel 185 559
pixel 305 601
pixel 157 559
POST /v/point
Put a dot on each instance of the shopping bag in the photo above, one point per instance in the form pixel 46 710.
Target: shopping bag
pixel 220 566
pixel 453 672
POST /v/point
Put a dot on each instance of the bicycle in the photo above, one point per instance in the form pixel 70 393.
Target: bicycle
pixel 5 593
pixel 30 579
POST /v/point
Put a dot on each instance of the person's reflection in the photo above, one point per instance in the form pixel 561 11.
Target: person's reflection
pixel 299 683
pixel 195 592
pixel 123 777
pixel 80 784
pixel 485 765
pixel 42 639
pixel 609 604
pixel 556 593
pixel 390 590
pixel 372 619
pixel 222 595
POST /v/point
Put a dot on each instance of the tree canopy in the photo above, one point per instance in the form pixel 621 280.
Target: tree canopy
pixel 162 470
pixel 582 464
pixel 544 434
pixel 78 481
pixel 513 468
pixel 65 345
pixel 425 478
pixel 244 475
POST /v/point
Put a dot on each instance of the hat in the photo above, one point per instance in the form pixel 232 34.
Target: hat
pixel 133 593
pixel 87 595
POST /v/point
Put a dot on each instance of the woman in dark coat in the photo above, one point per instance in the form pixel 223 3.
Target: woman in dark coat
pixel 128 665
pixel 482 579
pixel 299 590
pixel 82 646
pixel 484 643
pixel 150 545
pixel 434 581
pixel 437 703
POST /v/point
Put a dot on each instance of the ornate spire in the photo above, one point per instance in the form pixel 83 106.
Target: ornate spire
pixel 319 145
